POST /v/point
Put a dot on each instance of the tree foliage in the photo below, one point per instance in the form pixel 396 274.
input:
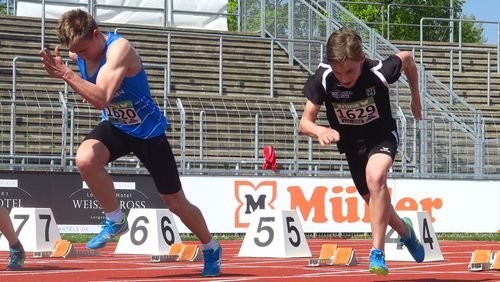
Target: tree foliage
pixel 232 8
pixel 404 22
pixel 405 15
pixel 3 9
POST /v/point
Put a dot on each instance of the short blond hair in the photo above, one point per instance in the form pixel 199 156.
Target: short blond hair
pixel 344 45
pixel 75 25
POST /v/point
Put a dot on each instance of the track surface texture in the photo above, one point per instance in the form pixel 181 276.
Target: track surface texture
pixel 111 267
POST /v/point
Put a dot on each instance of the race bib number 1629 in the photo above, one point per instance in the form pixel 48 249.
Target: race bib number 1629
pixel 356 113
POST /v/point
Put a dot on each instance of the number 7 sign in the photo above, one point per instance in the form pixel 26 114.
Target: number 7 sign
pixel 36 228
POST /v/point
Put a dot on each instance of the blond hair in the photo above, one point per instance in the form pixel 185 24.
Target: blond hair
pixel 74 26
pixel 344 45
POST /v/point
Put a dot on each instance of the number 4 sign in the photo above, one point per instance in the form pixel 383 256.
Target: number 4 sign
pixel 395 251
pixel 151 232
pixel 36 228
pixel 275 233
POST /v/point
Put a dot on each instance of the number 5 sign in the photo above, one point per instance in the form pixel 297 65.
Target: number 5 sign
pixel 151 232
pixel 36 228
pixel 275 233
pixel 395 251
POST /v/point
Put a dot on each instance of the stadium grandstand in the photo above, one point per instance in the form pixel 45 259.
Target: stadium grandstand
pixel 229 75
pixel 229 93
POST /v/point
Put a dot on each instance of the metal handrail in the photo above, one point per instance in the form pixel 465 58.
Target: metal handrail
pixel 460 49
pixel 92 8
pixel 221 38
pixel 460 21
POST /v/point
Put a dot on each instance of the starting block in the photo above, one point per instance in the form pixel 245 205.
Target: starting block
pixel 325 255
pixel 179 252
pixel 333 256
pixel 496 261
pixel 484 260
pixel 65 249
pixel 190 252
pixel 172 255
pixel 345 257
pixel 480 260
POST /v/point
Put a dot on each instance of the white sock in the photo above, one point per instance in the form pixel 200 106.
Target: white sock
pixel 212 245
pixel 115 216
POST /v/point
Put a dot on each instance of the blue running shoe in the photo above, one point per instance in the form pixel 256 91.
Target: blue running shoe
pixel 411 242
pixel 377 262
pixel 109 230
pixel 16 259
pixel 212 259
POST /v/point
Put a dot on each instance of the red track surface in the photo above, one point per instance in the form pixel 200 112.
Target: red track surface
pixel 111 267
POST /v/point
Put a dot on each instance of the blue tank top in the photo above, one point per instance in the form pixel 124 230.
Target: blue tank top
pixel 132 109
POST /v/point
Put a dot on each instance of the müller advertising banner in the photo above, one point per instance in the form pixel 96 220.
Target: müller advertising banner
pixel 227 203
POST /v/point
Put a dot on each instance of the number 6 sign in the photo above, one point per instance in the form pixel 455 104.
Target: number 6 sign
pixel 275 233
pixel 151 232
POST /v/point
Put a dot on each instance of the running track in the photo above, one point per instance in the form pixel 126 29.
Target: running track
pixel 111 267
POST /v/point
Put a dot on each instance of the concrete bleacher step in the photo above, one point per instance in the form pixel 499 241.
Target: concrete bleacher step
pixel 194 77
pixel 473 73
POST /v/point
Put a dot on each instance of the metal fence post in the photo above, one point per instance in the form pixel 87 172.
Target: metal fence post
pixel 183 135
pixel 202 137
pixel 295 138
pixel 257 140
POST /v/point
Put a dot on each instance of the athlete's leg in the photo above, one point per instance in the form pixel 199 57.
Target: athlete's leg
pixel 91 157
pixel 6 227
pixel 104 144
pixel 395 221
pixel 156 155
pixel 189 214
pixel 16 250
pixel 380 201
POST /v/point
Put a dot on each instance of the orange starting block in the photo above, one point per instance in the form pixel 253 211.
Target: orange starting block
pixel 179 252
pixel 496 261
pixel 332 255
pixel 484 260
pixel 65 249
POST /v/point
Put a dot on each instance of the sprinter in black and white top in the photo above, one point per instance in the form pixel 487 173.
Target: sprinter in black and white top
pixel 355 91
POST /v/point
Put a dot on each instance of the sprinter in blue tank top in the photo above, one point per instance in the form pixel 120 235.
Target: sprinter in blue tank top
pixel 113 80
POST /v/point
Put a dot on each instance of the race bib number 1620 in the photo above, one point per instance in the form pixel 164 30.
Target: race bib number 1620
pixel 123 113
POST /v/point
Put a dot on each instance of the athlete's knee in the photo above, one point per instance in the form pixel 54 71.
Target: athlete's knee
pixel 91 155
pixel 87 162
pixel 376 180
pixel 176 202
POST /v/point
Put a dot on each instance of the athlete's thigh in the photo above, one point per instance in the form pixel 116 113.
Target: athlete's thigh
pixel 382 154
pixel 156 155
pixel 357 160
pixel 114 141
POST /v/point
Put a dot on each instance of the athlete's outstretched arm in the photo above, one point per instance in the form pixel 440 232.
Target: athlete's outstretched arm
pixel 410 70
pixel 119 58
pixel 308 126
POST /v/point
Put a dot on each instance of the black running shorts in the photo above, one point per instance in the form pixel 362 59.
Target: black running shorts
pixel 361 150
pixel 155 154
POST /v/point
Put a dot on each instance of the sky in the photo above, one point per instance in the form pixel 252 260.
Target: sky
pixel 485 10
